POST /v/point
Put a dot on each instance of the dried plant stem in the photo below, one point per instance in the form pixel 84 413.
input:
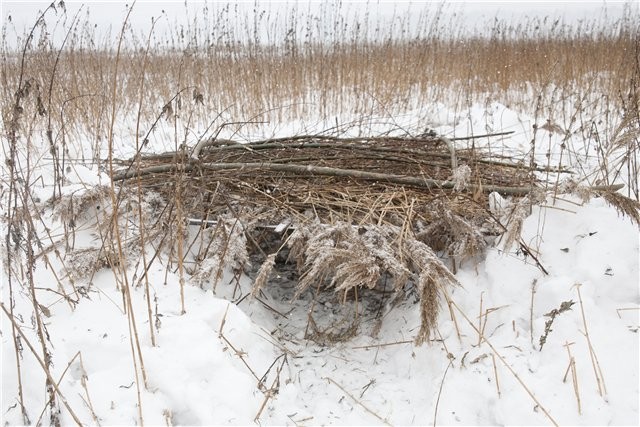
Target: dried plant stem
pixel 495 373
pixel 602 389
pixel 452 314
pixel 133 336
pixel 57 386
pixel 533 293
pixel 480 328
pixel 30 262
pixel 435 410
pixel 16 195
pixel 16 346
pixel 83 381
pixel 271 391
pixel 504 362
pixel 358 401
pixel 43 365
pixel 387 344
pixel 238 352
pixel 146 265
pixel 240 355
pixel 484 318
pixel 574 375
pixel 16 341
pixel 180 243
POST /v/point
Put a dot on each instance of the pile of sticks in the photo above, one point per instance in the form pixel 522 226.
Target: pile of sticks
pixel 361 180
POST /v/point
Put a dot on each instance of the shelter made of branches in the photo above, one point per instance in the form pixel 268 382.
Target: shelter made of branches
pixel 357 210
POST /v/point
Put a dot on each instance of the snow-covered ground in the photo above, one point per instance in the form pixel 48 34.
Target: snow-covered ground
pixel 233 360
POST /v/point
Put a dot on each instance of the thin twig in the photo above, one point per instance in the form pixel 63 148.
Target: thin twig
pixel 383 345
pixel 42 365
pixel 495 373
pixel 504 362
pixel 435 411
pixel 574 375
pixel 357 401
pixel 602 390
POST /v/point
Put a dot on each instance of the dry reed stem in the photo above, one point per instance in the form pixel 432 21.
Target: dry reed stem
pixel 435 410
pixel 273 390
pixel 38 422
pixel 180 243
pixel 509 368
pixel 574 375
pixel 44 367
pixel 452 314
pixel 356 400
pixel 480 328
pixel 485 316
pixel 383 344
pixel 83 381
pixel 495 374
pixel 223 321
pixel 602 389
pixel 139 190
pixel 240 355
pixel 533 293
pixel 122 266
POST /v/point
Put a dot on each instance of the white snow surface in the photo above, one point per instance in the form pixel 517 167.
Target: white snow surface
pixel 215 364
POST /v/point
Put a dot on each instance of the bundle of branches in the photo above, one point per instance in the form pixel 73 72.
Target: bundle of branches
pixel 357 209
pixel 358 179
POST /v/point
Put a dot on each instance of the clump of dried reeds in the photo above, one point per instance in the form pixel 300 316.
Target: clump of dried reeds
pixel 70 208
pixel 625 206
pixel 345 257
pixel 224 245
pixel 451 232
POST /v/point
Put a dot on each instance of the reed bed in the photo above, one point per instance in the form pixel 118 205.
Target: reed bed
pixel 301 68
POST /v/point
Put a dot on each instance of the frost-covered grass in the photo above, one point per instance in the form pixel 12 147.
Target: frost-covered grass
pixel 126 332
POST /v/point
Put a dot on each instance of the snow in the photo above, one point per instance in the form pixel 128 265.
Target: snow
pixel 232 360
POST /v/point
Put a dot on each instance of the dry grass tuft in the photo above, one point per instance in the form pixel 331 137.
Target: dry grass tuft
pixel 263 274
pixel 345 257
pixel 457 236
pixel 72 208
pixel 224 245
pixel 624 205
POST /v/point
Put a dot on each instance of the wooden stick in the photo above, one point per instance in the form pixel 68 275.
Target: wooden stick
pixel 486 135
pixel 357 401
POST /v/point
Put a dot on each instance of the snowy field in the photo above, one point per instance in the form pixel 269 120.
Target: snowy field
pixel 234 363
pixel 539 338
